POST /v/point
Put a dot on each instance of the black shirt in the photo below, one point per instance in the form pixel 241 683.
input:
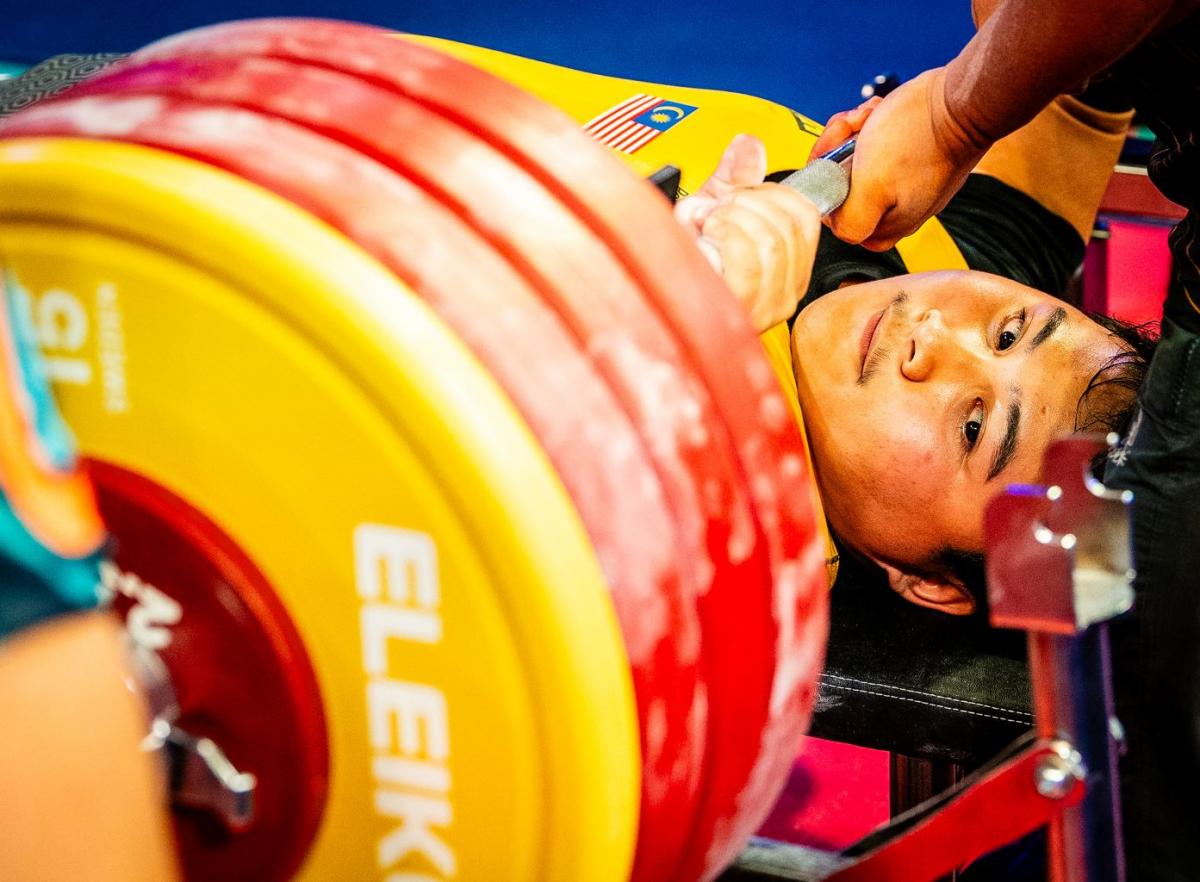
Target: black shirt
pixel 997 228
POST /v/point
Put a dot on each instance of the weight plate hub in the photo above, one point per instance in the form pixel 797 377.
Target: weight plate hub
pixel 190 595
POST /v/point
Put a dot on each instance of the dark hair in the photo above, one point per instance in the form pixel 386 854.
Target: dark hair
pixel 1109 401
pixel 970 570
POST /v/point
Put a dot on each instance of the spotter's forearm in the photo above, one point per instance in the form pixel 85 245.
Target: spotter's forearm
pixel 1029 51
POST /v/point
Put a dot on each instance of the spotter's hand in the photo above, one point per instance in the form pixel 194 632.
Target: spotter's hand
pixel 760 237
pixel 911 157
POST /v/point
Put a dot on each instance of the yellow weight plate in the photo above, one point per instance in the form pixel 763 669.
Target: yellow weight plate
pixel 257 365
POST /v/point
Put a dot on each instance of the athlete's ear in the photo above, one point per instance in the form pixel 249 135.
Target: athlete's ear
pixel 945 593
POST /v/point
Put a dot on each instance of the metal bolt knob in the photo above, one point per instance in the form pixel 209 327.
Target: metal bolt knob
pixel 1057 774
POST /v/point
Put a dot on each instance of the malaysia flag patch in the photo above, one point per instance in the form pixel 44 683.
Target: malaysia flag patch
pixel 634 123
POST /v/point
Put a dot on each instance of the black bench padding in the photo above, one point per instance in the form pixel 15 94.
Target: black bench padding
pixel 917 682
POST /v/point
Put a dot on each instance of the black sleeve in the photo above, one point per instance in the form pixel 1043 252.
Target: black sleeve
pixel 997 228
pixel 836 262
pixel 1001 230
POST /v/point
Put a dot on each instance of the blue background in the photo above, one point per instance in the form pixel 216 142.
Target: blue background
pixel 813 57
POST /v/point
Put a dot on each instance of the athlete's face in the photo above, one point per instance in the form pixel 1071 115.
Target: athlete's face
pixel 924 395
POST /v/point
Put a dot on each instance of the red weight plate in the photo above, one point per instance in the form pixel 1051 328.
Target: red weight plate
pixel 748 770
pixel 590 441
pixel 185 587
pixel 578 278
pixel 759 719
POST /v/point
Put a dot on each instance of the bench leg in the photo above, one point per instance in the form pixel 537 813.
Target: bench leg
pixel 915 780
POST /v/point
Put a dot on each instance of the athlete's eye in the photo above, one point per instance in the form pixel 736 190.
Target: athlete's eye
pixel 973 426
pixel 1010 331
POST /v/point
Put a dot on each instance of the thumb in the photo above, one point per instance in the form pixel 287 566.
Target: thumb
pixel 743 164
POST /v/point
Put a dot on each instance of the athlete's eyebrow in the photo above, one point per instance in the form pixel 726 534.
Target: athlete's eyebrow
pixel 1007 448
pixel 1052 324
